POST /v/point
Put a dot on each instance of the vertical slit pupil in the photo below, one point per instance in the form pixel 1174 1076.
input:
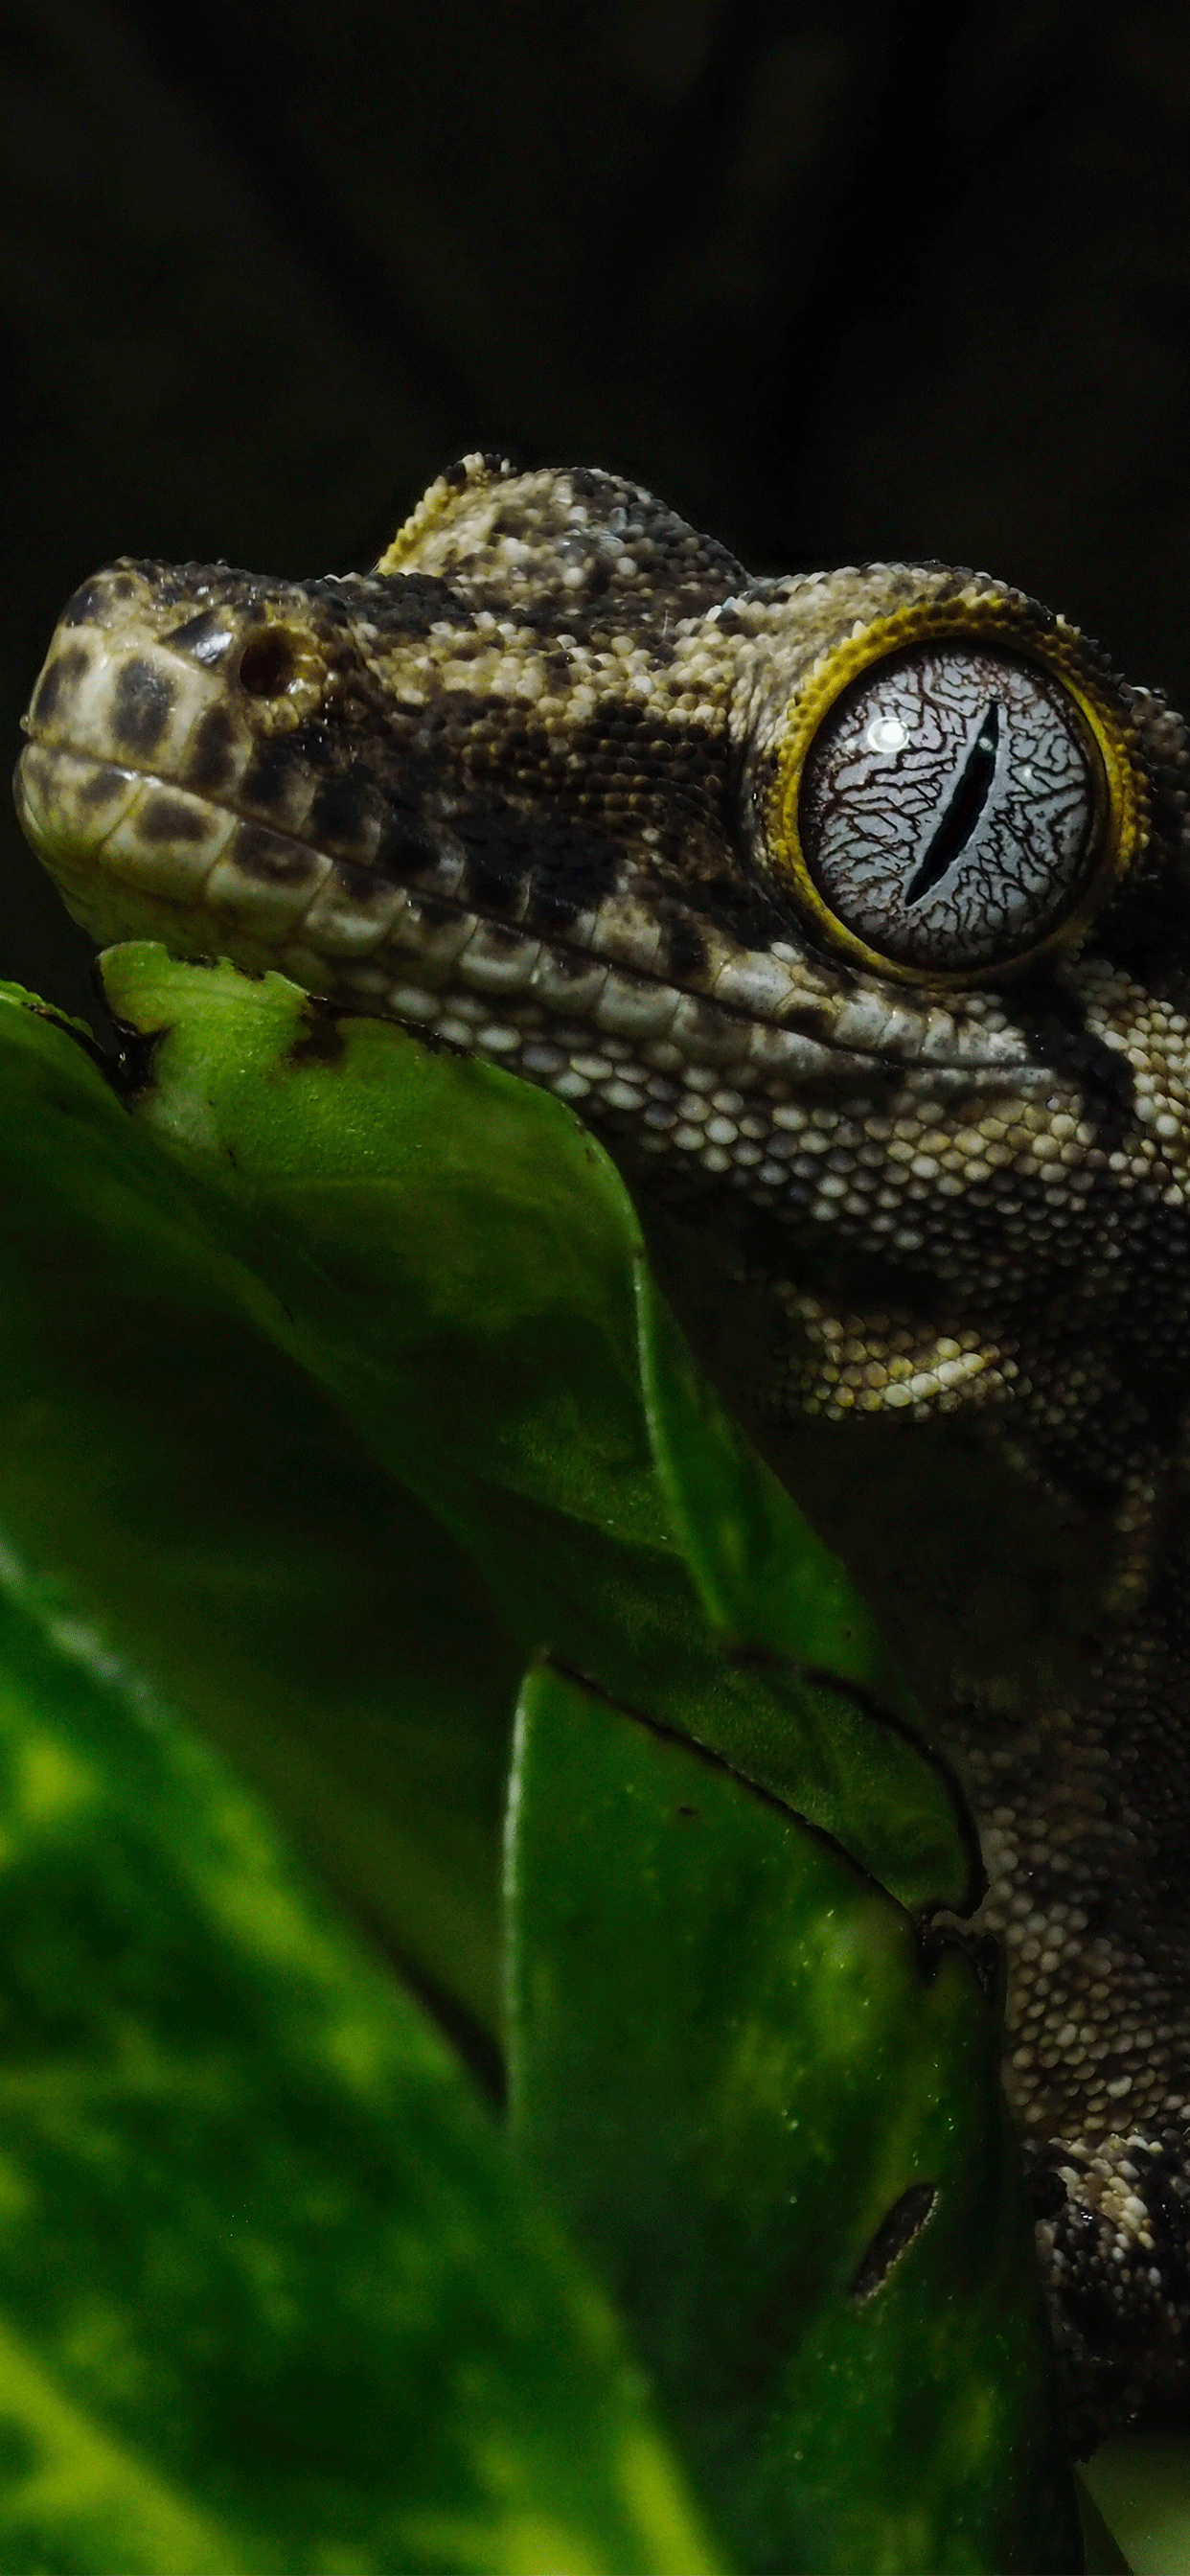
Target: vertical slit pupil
pixel 965 807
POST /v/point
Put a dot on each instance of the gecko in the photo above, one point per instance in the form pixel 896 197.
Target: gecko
pixel 851 910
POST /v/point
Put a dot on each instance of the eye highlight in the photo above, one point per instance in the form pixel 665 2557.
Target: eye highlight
pixel 947 806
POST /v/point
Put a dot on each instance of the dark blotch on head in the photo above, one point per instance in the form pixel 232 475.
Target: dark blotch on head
pixel 567 863
pixel 210 761
pixel 315 744
pixel 405 850
pixel 418 600
pixel 90 604
pixel 895 2234
pixel 703 1018
pixel 433 912
pixel 142 703
pixel 810 1019
pixel 554 908
pixel 271 773
pixel 61 675
pixel 341 810
pixel 99 789
pixel 685 950
pixel 170 818
pixel 206 636
pixel 570 968
pixel 271 856
pixel 358 884
pixel 1051 1018
pixel 495 881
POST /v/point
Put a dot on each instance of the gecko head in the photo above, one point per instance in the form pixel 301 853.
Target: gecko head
pixel 555 708
pixel 862 894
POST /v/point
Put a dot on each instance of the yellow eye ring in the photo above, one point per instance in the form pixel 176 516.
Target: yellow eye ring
pixel 1121 826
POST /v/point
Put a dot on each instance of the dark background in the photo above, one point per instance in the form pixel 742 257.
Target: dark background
pixel 839 281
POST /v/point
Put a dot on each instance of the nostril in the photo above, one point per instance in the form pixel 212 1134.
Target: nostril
pixel 269 664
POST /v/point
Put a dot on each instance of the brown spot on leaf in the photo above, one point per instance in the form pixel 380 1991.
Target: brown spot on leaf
pixel 321 1040
pixel 895 2234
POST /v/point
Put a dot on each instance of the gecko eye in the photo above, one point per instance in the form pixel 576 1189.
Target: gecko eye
pixel 950 806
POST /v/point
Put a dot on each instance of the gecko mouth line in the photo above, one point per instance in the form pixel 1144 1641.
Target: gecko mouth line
pixel 210 870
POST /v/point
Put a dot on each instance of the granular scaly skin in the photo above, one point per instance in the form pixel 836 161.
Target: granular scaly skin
pixel 514 789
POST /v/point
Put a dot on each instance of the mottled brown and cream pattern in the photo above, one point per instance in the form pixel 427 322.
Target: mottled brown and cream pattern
pixel 521 788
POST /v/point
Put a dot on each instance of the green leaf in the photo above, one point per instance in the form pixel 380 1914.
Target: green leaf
pixel 744 2079
pixel 457 1262
pixel 331 1391
pixel 1141 2485
pixel 195 1495
pixel 1103 2553
pixel 845 1746
pixel 273 2295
